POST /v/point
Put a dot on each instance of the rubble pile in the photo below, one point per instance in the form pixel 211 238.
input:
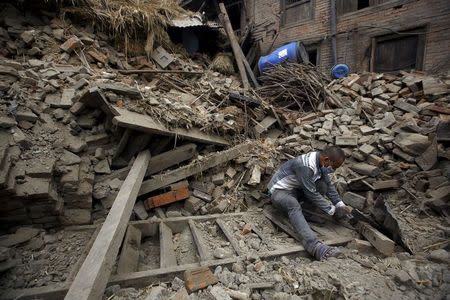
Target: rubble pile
pixel 55 144
pixel 299 277
pixel 395 138
pixel 75 112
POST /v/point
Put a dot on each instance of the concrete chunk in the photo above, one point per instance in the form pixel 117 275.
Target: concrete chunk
pixel 76 216
pixel 140 211
pixel 346 141
pixel 71 44
pixel 40 167
pixel 193 204
pixel 354 200
pixel 366 149
pixel 22 235
pixel 219 178
pixel 412 143
pixel 255 176
pixel 7 122
pixel 365 169
pixel 68 158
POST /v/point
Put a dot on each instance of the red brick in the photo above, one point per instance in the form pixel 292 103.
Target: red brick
pixel 175 195
pixel 198 279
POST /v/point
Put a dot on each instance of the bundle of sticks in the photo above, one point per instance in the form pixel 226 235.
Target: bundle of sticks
pixel 293 84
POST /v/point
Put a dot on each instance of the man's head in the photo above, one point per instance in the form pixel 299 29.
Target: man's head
pixel 332 157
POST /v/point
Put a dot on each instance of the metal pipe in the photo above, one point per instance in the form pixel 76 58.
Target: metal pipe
pixel 333 30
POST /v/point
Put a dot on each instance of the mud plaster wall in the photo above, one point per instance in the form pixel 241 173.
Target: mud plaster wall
pixel 354 36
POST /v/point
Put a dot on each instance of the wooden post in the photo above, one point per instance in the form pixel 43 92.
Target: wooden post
pixel 234 44
pixel 91 279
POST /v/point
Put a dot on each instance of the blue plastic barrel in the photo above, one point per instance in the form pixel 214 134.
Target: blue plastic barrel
pixel 340 71
pixel 287 52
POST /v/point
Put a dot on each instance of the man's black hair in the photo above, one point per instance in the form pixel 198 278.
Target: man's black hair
pixel 334 153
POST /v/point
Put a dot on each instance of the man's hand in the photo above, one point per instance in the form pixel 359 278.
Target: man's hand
pixel 343 211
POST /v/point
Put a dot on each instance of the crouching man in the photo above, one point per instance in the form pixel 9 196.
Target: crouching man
pixel 305 179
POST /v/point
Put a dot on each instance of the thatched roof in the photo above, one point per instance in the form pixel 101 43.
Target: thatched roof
pixel 143 21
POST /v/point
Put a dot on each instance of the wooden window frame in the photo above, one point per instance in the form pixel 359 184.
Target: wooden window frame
pixel 314 46
pixel 285 7
pixel 420 57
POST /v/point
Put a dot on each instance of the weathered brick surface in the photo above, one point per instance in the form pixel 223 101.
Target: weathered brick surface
pixel 356 29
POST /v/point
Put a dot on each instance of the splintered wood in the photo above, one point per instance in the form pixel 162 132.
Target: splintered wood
pixel 301 84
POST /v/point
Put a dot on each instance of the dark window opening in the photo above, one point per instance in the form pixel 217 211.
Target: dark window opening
pixel 399 51
pixel 234 13
pixel 295 11
pixel 197 39
pixel 312 55
pixel 363 4
pixel 346 6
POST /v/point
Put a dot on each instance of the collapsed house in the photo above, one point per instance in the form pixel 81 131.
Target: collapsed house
pixel 133 155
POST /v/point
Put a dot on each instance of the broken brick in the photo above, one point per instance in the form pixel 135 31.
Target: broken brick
pixel 199 278
pixel 166 198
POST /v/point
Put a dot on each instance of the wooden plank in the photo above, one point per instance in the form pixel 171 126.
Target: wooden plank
pixel 229 235
pixel 265 124
pixel 167 253
pixel 145 123
pixel 163 180
pixel 381 242
pixel 185 219
pixel 129 256
pixel 83 255
pixel 95 98
pixel 223 16
pixel 385 184
pixel 198 241
pixel 122 143
pixel 158 163
pixel 145 71
pixel 93 275
pixel 272 216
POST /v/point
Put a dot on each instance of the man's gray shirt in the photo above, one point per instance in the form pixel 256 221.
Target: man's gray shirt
pixel 302 173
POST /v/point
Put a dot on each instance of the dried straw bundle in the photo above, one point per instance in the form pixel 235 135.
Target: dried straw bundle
pixel 223 63
pixel 142 21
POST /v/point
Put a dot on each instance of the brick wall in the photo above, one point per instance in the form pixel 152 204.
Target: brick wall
pixel 355 30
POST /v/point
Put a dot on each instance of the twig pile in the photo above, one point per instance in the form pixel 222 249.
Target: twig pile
pixel 292 84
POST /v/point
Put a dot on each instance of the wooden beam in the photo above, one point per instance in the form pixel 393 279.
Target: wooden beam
pixel 381 242
pixel 78 264
pixel 142 278
pixel 145 123
pixel 198 241
pixel 223 16
pixel 91 280
pixel 157 163
pixel 229 235
pixel 167 254
pixel 277 221
pixel 129 256
pixel 160 72
pixel 159 181
pixel 122 143
pixel 143 223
